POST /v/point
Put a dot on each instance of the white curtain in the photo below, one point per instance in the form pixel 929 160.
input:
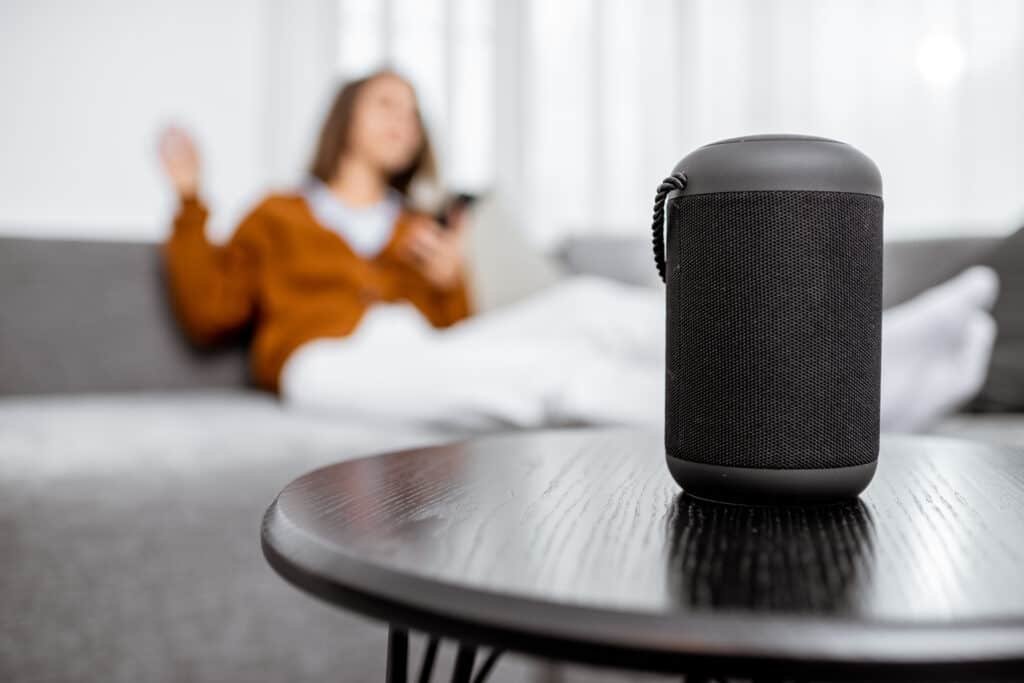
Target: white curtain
pixel 446 47
pixel 572 111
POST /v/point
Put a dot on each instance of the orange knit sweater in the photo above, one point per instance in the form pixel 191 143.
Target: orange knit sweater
pixel 292 279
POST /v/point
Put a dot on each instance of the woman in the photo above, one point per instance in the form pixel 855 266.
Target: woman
pixel 349 292
pixel 308 265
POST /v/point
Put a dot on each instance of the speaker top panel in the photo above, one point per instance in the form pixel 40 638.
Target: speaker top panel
pixel 778 162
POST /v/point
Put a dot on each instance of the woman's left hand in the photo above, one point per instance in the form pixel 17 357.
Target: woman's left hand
pixel 438 253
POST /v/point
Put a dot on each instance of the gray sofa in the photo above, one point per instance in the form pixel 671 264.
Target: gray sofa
pixel 134 471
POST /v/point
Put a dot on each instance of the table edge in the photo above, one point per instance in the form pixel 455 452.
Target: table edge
pixel 648 641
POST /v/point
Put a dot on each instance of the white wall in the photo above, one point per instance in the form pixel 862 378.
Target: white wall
pixel 87 85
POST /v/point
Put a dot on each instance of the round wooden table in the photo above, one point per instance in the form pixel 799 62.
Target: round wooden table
pixel 578 545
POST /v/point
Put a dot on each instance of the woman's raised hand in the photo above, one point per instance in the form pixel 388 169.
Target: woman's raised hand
pixel 180 159
pixel 438 253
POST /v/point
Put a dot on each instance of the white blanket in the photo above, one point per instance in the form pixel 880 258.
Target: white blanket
pixel 592 351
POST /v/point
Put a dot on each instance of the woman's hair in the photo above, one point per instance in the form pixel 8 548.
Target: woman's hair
pixel 334 138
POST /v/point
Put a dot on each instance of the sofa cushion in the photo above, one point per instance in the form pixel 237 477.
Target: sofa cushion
pixel 94 316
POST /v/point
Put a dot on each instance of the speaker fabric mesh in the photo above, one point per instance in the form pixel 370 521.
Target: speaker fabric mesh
pixel 774 317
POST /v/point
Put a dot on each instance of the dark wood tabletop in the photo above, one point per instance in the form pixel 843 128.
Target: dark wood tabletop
pixel 578 545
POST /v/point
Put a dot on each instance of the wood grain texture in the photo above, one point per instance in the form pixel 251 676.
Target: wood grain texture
pixel 578 544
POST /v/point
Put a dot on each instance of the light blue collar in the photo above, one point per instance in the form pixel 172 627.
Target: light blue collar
pixel 366 229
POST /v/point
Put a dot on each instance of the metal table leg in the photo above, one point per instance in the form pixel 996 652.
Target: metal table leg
pixel 464 664
pixel 465 659
pixel 398 655
pixel 427 668
pixel 486 667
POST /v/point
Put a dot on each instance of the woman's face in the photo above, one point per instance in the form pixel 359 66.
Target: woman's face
pixel 385 126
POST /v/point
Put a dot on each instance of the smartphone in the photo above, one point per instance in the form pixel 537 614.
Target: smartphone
pixel 457 202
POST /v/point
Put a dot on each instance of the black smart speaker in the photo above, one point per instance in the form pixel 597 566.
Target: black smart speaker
pixel 771 249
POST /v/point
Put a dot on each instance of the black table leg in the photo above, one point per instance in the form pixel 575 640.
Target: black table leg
pixel 427 668
pixel 398 655
pixel 464 664
pixel 485 668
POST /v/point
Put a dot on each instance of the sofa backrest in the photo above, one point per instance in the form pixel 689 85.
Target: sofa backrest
pixel 910 267
pixel 95 316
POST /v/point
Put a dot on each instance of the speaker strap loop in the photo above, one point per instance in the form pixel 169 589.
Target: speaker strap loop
pixel 676 181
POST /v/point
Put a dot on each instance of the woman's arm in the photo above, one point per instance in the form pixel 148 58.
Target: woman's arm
pixel 438 256
pixel 447 306
pixel 213 287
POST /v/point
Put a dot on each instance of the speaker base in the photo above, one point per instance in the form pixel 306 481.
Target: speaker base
pixel 749 486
